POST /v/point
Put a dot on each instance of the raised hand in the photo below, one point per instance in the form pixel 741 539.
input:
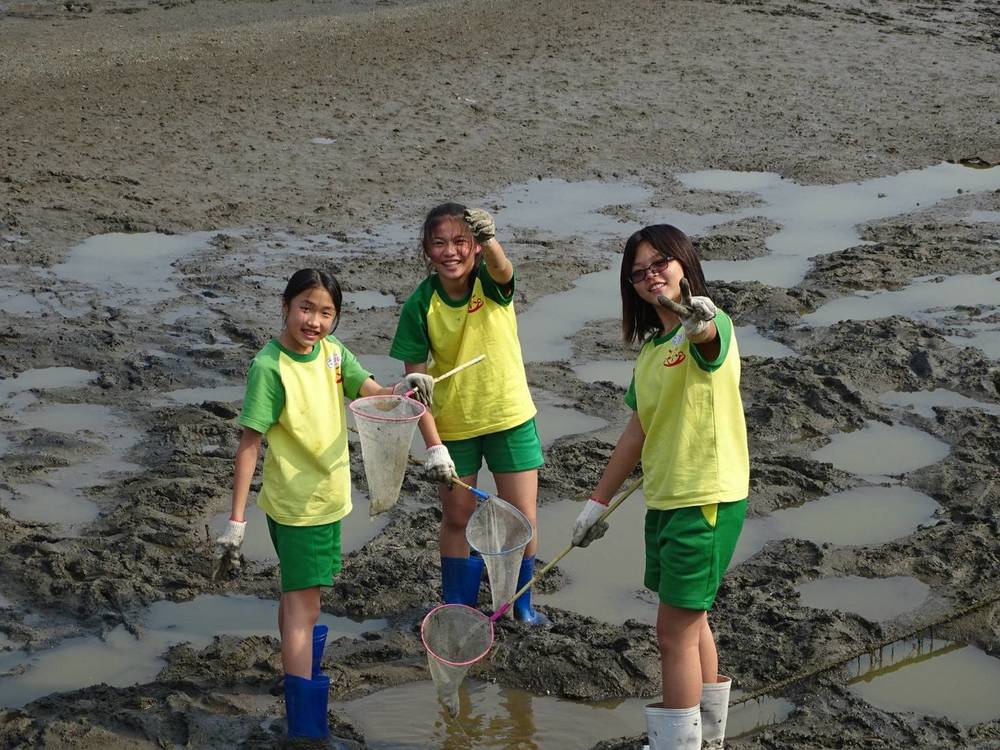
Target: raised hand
pixel 694 312
pixel 481 223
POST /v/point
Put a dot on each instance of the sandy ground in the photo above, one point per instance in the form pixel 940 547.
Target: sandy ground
pixel 138 116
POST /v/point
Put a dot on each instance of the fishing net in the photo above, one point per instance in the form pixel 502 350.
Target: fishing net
pixel 385 427
pixel 456 637
pixel 499 532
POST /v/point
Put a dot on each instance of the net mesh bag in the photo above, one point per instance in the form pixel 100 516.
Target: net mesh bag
pixel 499 532
pixel 456 637
pixel 385 429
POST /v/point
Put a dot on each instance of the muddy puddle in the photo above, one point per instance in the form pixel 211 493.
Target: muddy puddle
pixel 858 463
pixel 491 716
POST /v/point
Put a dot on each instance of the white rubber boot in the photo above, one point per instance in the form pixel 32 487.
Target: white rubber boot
pixel 714 712
pixel 673 728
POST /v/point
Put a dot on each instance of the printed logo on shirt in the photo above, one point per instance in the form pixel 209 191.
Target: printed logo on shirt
pixel 674 358
pixel 475 303
pixel 334 360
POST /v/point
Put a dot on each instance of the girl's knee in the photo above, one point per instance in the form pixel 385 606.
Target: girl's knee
pixel 301 606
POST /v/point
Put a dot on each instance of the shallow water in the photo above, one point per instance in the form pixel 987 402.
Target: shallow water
pixel 822 219
pixel 924 402
pixel 604 580
pixel 875 599
pixel 120 659
pixel 490 716
pixel 863 516
pixel 917 300
pixel 46 377
pixel 124 267
pixel 878 449
pixel 60 495
pixel 933 678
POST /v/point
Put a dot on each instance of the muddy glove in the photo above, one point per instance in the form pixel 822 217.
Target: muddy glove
pixel 588 527
pixel 421 385
pixel 481 223
pixel 227 547
pixel 694 312
pixel 438 465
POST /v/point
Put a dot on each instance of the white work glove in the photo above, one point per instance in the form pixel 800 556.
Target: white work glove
pixel 587 527
pixel 227 546
pixel 438 465
pixel 481 223
pixel 694 312
pixel 421 384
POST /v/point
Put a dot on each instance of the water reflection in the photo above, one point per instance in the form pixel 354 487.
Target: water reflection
pixel 930 677
pixel 490 716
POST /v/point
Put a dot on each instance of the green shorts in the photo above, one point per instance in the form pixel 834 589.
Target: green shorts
pixel 687 555
pixel 516 449
pixel 308 555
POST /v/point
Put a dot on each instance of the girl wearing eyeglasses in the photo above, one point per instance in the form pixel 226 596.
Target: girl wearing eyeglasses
pixel 688 430
pixel 465 308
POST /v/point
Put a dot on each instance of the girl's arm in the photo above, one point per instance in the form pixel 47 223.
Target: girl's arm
pixel 484 230
pixel 497 263
pixel 245 465
pixel 624 458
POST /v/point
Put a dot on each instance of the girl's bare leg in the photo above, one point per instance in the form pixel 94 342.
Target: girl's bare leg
pixel 298 613
pixel 678 634
pixel 457 506
pixel 520 489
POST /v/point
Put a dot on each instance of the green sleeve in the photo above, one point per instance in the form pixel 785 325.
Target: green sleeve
pixel 265 395
pixel 630 395
pixel 412 342
pixel 353 373
pixel 725 326
pixel 502 295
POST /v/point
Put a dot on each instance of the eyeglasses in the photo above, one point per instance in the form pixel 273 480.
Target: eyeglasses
pixel 639 274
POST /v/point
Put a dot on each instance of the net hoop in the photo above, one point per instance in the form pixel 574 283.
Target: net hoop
pixel 483 618
pixel 512 509
pixel 358 410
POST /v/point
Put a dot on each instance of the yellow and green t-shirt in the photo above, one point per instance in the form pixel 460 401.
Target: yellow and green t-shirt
pixel 297 400
pixel 695 452
pixel 444 332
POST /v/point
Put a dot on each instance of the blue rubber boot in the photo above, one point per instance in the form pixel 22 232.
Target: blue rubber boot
pixel 472 578
pixel 319 643
pixel 523 611
pixel 306 703
pixel 453 579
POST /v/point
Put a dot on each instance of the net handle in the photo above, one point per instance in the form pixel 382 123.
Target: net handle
pixel 545 569
pixel 452 371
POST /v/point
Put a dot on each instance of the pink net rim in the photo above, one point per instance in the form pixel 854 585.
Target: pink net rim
pixel 376 418
pixel 430 651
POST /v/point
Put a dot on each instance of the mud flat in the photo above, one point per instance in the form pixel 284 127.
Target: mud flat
pixel 167 164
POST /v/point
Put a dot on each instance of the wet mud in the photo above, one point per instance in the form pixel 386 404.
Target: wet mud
pixel 181 117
